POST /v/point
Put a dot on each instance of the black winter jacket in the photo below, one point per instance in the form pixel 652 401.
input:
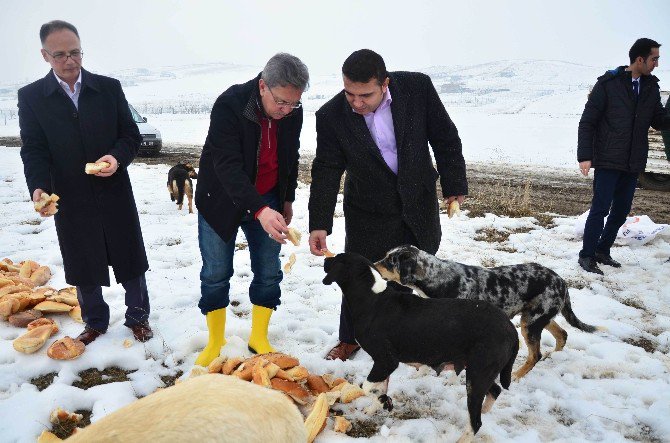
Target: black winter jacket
pixel 229 162
pixel 614 125
pixel 378 204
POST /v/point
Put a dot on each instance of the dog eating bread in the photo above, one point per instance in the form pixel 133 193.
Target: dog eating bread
pixel 395 327
pixel 529 289
pixel 94 168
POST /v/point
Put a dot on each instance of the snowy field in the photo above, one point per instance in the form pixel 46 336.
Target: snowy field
pixel 518 112
pixel 601 387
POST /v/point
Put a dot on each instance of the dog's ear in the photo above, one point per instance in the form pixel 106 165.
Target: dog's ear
pixel 333 270
pixel 407 266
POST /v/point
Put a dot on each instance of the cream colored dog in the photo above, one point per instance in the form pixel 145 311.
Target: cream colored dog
pixel 208 408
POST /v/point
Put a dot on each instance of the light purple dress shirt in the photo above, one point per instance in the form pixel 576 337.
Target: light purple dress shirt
pixel 380 124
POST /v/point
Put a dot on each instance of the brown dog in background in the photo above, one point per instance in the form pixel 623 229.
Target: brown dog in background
pixel 180 182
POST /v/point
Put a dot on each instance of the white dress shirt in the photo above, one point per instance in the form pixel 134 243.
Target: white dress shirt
pixel 74 96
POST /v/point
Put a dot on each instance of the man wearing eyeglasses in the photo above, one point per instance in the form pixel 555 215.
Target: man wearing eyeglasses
pixel 69 118
pixel 378 130
pixel 247 178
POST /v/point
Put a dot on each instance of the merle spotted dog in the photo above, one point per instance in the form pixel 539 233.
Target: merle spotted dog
pixel 530 289
pixel 180 183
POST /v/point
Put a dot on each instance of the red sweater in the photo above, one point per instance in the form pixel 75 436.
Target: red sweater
pixel 268 165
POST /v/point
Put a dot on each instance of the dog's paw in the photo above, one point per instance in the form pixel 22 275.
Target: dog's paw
pixel 386 401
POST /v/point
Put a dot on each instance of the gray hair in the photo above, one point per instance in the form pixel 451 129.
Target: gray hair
pixel 285 69
pixel 53 26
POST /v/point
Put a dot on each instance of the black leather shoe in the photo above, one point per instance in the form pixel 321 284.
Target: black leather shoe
pixel 88 335
pixel 589 265
pixel 606 259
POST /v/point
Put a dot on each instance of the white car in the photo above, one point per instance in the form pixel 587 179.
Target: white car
pixel 151 136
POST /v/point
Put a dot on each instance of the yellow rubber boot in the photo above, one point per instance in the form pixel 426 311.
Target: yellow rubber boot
pixel 216 323
pixel 258 340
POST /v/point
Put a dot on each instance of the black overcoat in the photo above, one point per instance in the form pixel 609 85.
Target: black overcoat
pixel 377 202
pixel 97 222
pixel 613 130
pixel 229 162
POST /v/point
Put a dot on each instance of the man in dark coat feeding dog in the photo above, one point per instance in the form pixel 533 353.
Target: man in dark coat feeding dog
pixel 397 327
pixel 69 118
pixel 377 130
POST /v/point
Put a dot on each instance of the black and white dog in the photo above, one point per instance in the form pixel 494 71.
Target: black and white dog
pixel 180 183
pixel 396 327
pixel 530 289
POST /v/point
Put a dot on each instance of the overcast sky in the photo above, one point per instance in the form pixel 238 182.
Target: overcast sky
pixel 409 34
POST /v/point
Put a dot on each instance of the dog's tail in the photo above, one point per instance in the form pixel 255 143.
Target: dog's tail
pixel 506 373
pixel 573 320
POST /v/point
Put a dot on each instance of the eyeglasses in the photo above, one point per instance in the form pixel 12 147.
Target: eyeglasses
pixel 282 103
pixel 61 57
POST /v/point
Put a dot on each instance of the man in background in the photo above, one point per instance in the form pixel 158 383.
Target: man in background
pixel 612 139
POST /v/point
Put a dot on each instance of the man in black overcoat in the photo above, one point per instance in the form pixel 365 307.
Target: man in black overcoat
pixel 378 130
pixel 67 119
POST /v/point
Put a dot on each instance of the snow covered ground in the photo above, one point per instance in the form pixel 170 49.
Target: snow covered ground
pixel 601 387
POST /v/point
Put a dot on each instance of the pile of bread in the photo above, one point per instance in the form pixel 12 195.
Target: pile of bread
pixel 24 300
pixel 313 394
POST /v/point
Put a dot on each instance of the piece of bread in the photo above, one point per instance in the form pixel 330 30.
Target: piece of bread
pixel 230 365
pixel 48 437
pixel 75 314
pixel 350 393
pixel 453 209
pixel 9 306
pixel 298 372
pixel 47 201
pixel 289 264
pixel 292 389
pixel 294 236
pixel 316 420
pixel 327 253
pixel 65 297
pixel 342 425
pixel 22 319
pixel 41 276
pixel 59 415
pixel 66 349
pixel 214 367
pixel 43 322
pixel 94 168
pixel 259 374
pixel 316 384
pixel 33 340
pixel 53 306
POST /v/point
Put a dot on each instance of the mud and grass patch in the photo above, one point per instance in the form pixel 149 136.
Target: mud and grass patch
pixel 235 303
pixel 576 284
pixel 43 381
pixel 633 303
pixel 641 342
pixel 173 242
pixel 364 428
pixel 562 416
pixel 93 377
pixel 545 220
pixel 65 429
pixel 642 432
pixel 32 222
pixel 492 235
pixel 169 380
pixel 240 246
pixel 512 200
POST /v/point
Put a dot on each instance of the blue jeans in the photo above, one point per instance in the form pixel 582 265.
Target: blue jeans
pixel 217 263
pixel 613 193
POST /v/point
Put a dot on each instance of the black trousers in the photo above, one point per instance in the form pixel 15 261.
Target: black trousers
pixel 95 312
pixel 347 334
